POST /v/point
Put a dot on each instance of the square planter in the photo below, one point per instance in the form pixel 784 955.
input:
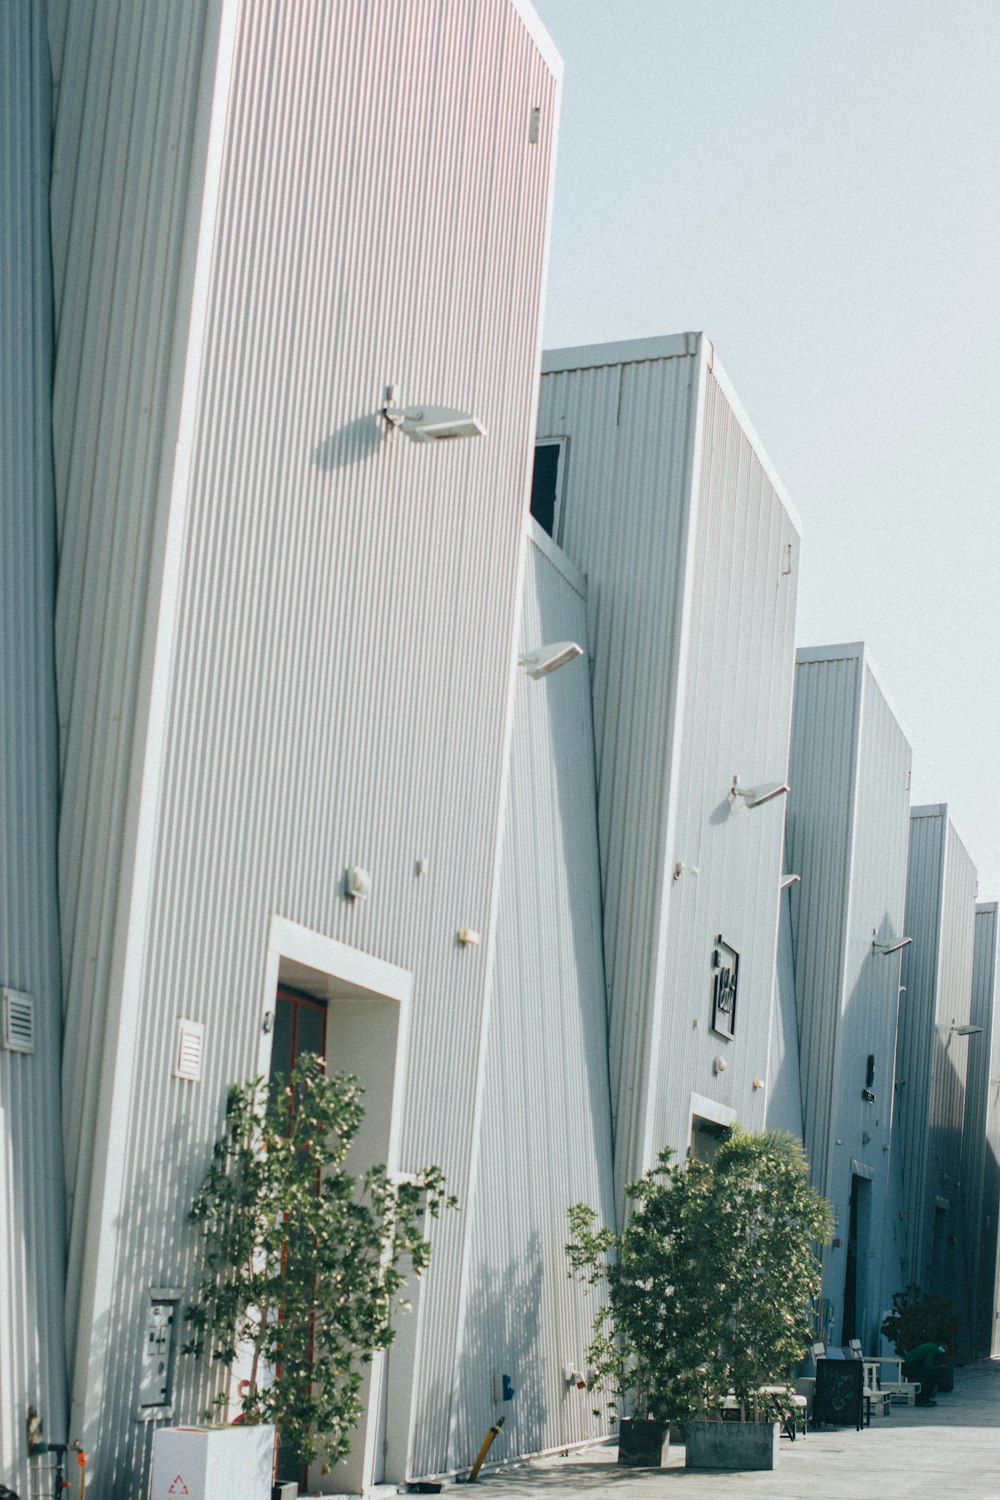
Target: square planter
pixel 642 1444
pixel 732 1445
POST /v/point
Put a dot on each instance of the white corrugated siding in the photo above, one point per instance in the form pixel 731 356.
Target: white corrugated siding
pixel 737 674
pixel 625 519
pixel 979 1170
pixel 670 511
pixel 335 689
pixel 32 1352
pixel 546 1135
pixel 931 1061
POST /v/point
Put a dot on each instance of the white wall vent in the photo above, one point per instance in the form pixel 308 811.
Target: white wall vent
pixel 18 1021
pixel 188 1049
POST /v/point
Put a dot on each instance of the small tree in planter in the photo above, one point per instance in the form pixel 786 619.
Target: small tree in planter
pixel 921 1318
pixel 709 1283
pixel 302 1259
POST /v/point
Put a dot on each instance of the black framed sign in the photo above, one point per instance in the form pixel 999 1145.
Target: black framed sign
pixel 839 1397
pixel 725 983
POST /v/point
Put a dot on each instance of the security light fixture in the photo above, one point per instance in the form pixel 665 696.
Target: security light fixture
pixel 789 880
pixel 430 424
pixel 548 658
pixel 966 1030
pixel 682 868
pixel 886 948
pixel 756 796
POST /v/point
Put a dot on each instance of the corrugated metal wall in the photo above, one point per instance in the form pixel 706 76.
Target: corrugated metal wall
pixel 822 773
pixel 32 1353
pixel 691 561
pixel 931 1060
pixel 736 669
pixel 784 1082
pixel 625 519
pixel 986 959
pixel 848 831
pixel 980 1174
pixel 125 185
pixel 547 1097
pixel 333 651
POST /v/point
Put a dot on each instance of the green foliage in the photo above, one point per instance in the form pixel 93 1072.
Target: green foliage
pixel 921 1318
pixel 301 1259
pixel 709 1283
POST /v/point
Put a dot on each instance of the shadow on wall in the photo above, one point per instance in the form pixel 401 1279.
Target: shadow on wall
pixel 349 444
pixel 502 1316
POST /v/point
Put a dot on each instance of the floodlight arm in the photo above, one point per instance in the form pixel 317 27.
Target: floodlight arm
pixel 756 796
pixel 549 658
pixel 886 948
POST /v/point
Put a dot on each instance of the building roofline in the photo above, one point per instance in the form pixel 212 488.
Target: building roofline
pixel 672 346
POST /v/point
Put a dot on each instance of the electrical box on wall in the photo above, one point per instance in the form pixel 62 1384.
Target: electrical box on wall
pixel 156 1370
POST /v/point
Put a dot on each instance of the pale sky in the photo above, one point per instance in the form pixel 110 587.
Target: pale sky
pixel 816 185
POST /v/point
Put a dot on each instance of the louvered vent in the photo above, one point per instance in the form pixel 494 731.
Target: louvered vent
pixel 187 1054
pixel 18 1021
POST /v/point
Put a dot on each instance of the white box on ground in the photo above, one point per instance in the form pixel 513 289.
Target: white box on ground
pixel 212 1463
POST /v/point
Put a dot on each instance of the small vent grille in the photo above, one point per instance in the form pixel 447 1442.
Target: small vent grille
pixel 190 1043
pixel 18 1021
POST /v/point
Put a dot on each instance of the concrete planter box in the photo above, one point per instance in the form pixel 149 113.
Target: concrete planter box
pixel 642 1444
pixel 732 1445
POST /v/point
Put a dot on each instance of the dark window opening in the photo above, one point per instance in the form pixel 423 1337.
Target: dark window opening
pixel 546 482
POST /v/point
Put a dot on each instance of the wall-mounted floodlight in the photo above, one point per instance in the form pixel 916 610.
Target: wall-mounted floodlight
pixel 966 1030
pixel 789 880
pixel 430 424
pixel 886 948
pixel 682 868
pixel 549 658
pixel 756 796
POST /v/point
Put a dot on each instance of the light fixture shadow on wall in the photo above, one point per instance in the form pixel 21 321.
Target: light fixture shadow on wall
pixel 756 796
pixel 886 948
pixel 549 658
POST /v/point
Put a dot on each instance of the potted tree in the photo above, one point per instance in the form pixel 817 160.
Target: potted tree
pixel 302 1260
pixel 708 1291
pixel 920 1317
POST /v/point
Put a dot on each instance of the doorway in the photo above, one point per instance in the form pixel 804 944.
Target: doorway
pixel 856 1269
pixel 351 1009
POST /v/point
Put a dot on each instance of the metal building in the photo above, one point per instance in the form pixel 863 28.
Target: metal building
pixel 286 634
pixel 544 1140
pixel 649 477
pixel 932 1051
pixel 981 1158
pixel 32 1227
pixel 847 836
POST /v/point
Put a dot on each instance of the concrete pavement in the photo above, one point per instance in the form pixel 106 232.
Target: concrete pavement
pixel 946 1452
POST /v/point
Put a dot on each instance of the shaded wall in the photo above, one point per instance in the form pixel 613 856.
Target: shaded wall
pixel 32 1351
pixel 546 1134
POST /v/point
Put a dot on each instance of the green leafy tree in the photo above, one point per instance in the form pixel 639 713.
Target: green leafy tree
pixel 302 1260
pixel 709 1284
pixel 921 1318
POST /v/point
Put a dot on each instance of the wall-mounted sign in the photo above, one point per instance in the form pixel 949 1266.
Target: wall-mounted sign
pixel 725 980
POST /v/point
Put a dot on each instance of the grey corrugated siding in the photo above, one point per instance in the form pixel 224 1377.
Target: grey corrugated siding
pixel 123 181
pixel 931 1061
pixel 784 1082
pixel 980 1177
pixel 329 660
pixel 848 830
pixel 546 1137
pixel 32 1352
pixel 671 514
